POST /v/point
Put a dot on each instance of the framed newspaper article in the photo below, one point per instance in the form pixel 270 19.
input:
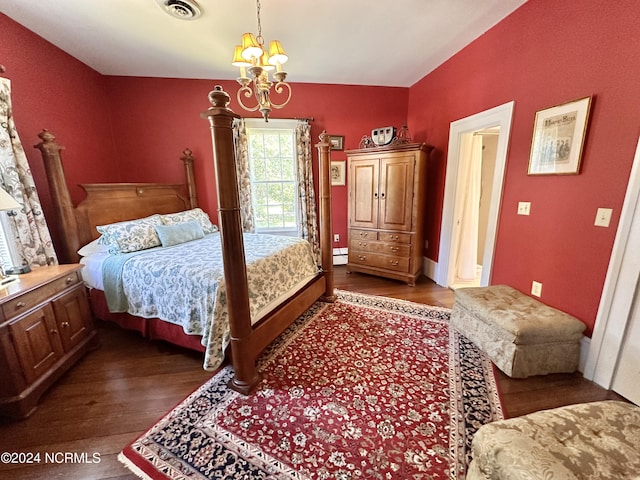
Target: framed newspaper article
pixel 558 136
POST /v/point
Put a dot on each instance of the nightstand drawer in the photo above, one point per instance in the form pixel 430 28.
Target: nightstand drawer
pixel 16 306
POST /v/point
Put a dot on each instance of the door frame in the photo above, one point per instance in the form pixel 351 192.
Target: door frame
pixel 499 116
pixel 619 289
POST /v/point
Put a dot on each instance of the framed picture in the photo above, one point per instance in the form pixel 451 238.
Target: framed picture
pixel 337 142
pixel 338 172
pixel 558 136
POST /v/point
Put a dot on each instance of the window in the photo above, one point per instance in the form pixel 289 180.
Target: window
pixel 8 255
pixel 274 186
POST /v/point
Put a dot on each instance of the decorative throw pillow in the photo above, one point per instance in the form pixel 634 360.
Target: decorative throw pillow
pixel 96 246
pixel 193 214
pixel 131 236
pixel 179 233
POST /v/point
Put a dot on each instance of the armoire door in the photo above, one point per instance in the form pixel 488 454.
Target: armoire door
pixel 396 192
pixel 363 193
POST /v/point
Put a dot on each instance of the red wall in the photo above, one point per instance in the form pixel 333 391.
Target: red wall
pixel 546 53
pixel 155 119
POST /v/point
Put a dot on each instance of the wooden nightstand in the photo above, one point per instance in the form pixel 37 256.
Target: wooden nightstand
pixel 46 326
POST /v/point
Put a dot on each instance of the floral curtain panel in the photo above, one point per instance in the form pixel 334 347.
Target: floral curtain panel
pixel 308 224
pixel 244 176
pixel 30 231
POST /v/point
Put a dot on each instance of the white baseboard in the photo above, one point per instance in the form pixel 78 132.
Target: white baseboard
pixel 429 268
pixel 585 344
pixel 340 256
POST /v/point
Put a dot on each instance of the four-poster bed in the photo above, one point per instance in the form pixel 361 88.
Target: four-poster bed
pixel 117 202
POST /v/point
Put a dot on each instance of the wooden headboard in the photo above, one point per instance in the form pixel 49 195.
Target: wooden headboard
pixel 108 202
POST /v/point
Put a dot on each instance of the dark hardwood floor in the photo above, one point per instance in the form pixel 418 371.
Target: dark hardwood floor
pixel 117 392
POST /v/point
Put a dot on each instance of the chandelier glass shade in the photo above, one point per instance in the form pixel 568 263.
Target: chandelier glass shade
pixel 255 63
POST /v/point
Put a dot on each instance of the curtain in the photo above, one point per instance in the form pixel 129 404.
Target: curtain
pixel 469 182
pixel 308 221
pixel 30 232
pixel 244 175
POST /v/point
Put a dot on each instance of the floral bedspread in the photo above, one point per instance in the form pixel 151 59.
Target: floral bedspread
pixel 184 284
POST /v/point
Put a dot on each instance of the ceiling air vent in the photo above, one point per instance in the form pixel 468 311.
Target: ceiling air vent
pixel 182 9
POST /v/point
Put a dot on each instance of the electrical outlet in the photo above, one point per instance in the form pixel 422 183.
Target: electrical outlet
pixel 536 289
pixel 524 208
pixel 603 217
pixel 336 237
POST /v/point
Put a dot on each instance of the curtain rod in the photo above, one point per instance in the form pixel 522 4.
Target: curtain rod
pixel 307 119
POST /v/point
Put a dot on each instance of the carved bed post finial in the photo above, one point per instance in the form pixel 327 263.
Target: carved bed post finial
pixel 60 195
pixel 187 158
pixel 220 116
pixel 326 223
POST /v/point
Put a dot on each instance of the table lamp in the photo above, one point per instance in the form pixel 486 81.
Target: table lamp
pixel 7 202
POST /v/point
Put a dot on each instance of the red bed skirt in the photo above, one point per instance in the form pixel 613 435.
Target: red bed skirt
pixel 151 328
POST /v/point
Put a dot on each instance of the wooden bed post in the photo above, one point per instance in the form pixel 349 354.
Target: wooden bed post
pixel 326 224
pixel 187 158
pixel 220 117
pixel 60 194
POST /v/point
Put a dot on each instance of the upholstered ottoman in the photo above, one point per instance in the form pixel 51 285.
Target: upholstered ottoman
pixel 521 335
pixel 587 441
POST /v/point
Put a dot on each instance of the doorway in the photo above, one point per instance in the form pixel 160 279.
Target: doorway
pixel 469 221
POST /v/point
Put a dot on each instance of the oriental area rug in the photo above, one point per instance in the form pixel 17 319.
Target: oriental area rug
pixel 365 388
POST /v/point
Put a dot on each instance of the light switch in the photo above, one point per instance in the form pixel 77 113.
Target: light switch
pixel 603 217
pixel 536 288
pixel 524 208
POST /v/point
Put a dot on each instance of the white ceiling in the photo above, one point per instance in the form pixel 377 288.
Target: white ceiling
pixel 358 42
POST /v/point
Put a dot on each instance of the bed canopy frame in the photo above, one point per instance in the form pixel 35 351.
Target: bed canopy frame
pixel 113 202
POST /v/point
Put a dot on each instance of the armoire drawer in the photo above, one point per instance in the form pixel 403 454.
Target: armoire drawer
pixel 398 264
pixel 381 247
pixel 394 237
pixel 356 234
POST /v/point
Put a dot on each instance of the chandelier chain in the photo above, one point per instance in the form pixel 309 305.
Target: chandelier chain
pixel 259 37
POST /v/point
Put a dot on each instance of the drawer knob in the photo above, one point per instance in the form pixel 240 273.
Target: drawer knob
pixel 69 280
pixel 362 258
pixel 65 324
pixel 394 237
pixel 363 234
pixel 54 332
pixel 20 305
pixel 394 249
pixel 363 244
pixel 394 262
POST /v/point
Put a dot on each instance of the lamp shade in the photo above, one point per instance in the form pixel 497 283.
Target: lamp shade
pixel 250 47
pixel 7 202
pixel 238 59
pixel 277 53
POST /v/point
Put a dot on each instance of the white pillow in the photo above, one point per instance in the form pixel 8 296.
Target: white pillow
pixel 93 247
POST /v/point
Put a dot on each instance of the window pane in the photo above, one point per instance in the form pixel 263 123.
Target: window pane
pixel 273 178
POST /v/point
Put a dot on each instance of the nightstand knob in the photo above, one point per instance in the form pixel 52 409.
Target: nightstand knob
pixel 69 280
pixel 65 324
pixel 54 332
pixel 20 305
pixel 362 258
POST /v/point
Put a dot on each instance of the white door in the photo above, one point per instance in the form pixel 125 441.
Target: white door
pixel 627 377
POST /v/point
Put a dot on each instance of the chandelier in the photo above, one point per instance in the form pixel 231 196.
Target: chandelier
pixel 252 58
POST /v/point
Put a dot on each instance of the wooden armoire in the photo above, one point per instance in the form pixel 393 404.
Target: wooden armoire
pixel 387 191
